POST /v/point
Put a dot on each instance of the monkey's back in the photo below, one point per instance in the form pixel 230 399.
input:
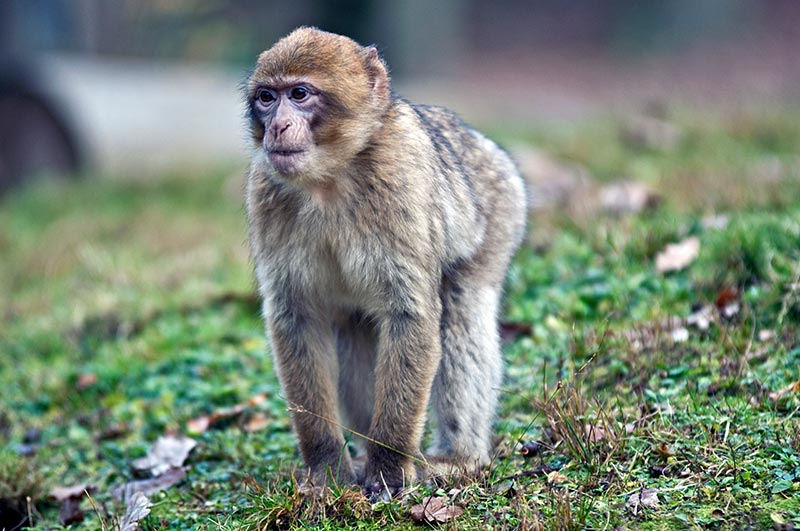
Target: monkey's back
pixel 481 193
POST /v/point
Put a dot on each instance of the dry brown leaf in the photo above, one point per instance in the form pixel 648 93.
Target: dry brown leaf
pixel 257 422
pixel 664 451
pixel 137 508
pixel 69 511
pixel 597 433
pixel 786 391
pixel 169 478
pixel 766 335
pixel 61 493
pixel 726 297
pixel 198 425
pixel 435 510
pixel 556 477
pixel 628 197
pixel 647 498
pixel 551 182
pixel 168 452
pixel 85 380
pixel 650 132
pixel 201 424
pixel 677 256
pixel 727 302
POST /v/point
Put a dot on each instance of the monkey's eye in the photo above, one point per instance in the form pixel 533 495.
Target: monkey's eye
pixel 299 93
pixel 264 96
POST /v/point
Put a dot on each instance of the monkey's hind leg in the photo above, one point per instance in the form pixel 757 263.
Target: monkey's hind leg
pixel 466 388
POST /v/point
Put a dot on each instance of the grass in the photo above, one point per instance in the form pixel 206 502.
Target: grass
pixel 129 310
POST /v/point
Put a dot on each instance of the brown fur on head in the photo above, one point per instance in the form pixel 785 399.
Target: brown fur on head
pixel 353 93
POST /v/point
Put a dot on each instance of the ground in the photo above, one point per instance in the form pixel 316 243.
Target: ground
pixel 634 398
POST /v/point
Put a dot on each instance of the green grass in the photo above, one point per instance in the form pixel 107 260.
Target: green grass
pixel 147 285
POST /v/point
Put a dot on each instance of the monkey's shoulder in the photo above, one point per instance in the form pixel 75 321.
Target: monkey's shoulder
pixel 435 118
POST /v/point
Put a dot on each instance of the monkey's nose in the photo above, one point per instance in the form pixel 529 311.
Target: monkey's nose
pixel 279 129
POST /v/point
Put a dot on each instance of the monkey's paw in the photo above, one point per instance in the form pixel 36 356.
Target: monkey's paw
pixel 380 492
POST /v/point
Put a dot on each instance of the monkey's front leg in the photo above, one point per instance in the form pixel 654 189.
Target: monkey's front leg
pixel 304 352
pixel 408 353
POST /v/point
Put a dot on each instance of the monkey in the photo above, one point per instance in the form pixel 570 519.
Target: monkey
pixel 381 232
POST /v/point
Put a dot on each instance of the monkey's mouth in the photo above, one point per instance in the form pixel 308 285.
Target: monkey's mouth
pixel 284 152
pixel 286 161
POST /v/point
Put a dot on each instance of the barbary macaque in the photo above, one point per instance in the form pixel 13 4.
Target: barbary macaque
pixel 381 233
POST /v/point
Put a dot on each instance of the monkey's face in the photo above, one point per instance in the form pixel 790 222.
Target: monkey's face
pixel 286 115
pixel 315 99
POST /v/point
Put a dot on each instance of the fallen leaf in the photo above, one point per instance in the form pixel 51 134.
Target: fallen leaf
pixel 137 508
pixel 785 391
pixel 649 132
pixel 717 222
pixel 556 477
pixel 677 256
pixel 169 478
pixel 780 524
pixel 201 424
pixel 85 380
pixel 257 422
pixel 550 182
pixel 647 498
pixel 628 197
pixel 679 335
pixel 781 485
pixel 727 302
pixel 434 510
pixel 77 491
pixel 507 488
pixel 198 425
pixel 114 431
pixel 701 318
pixel 70 511
pixel 664 408
pixel 766 335
pixel 664 451
pixel 725 297
pixel 597 433
pixel 168 452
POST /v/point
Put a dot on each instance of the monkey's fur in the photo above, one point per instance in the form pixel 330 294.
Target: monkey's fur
pixel 381 233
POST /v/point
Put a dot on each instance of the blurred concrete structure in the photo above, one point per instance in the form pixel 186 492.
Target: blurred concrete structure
pixel 147 85
pixel 134 115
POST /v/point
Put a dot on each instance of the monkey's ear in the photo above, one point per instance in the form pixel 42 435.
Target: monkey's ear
pixel 378 76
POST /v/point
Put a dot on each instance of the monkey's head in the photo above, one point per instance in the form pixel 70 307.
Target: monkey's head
pixel 315 100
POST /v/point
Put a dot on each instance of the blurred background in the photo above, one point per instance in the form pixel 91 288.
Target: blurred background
pixel 138 87
pixel 127 300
